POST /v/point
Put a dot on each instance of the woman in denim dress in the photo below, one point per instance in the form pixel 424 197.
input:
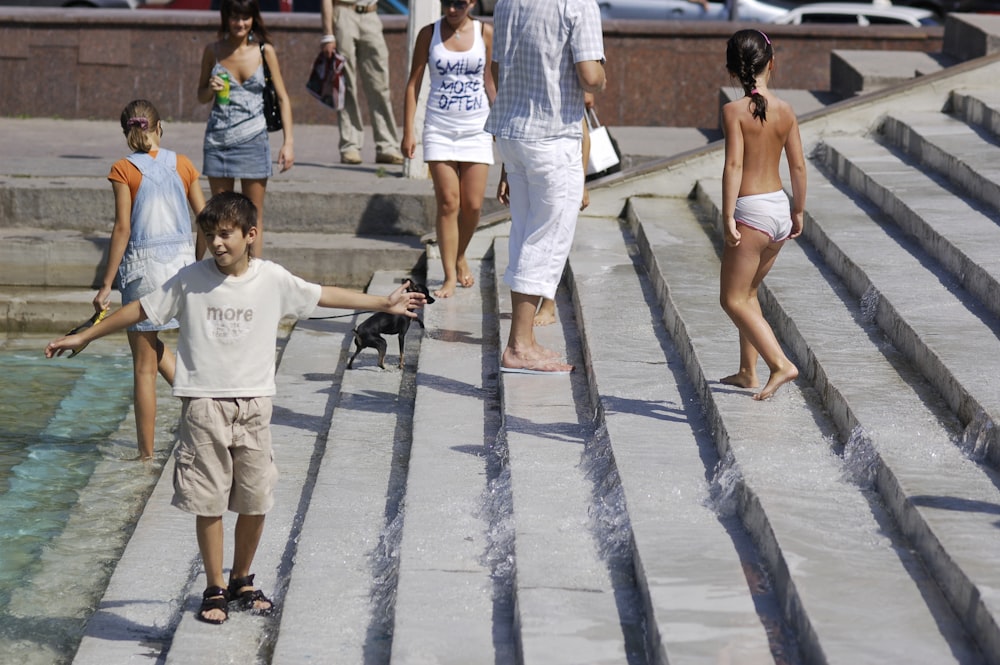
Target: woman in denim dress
pixel 236 139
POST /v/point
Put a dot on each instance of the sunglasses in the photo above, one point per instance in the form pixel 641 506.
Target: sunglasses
pixel 455 4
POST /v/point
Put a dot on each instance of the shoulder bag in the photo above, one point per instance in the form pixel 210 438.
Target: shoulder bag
pixel 272 107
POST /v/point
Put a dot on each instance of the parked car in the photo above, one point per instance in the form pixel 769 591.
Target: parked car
pixel 857 13
pixel 684 10
pixel 103 4
pixel 942 7
pixel 299 6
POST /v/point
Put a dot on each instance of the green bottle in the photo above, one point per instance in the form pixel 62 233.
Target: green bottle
pixel 222 96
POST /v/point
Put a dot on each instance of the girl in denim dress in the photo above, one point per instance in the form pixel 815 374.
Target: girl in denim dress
pixel 150 242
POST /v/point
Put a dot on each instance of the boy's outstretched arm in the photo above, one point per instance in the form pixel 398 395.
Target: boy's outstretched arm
pixel 129 315
pixel 399 301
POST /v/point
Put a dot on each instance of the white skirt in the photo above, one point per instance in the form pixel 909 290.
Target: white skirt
pixel 444 145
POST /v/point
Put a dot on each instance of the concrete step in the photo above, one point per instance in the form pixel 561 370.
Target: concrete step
pixel 565 614
pixel 338 605
pixel 814 526
pixel 970 36
pixel 75 260
pixel 977 106
pixel 959 235
pixel 453 601
pixel 657 438
pixel 950 147
pixel 890 274
pixel 854 72
pixel 899 437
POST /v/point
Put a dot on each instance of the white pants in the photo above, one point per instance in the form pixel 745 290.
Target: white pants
pixel 545 181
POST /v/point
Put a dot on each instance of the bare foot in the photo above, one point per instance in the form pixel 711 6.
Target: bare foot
pixel 447 290
pixel 742 379
pixel 539 361
pixel 465 278
pixel 544 318
pixel 777 379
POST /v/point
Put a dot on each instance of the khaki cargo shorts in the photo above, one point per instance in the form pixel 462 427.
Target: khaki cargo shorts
pixel 224 459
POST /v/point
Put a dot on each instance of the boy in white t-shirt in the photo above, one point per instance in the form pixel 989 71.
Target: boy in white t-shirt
pixel 229 308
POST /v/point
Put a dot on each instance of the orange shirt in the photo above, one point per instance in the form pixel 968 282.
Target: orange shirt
pixel 126 172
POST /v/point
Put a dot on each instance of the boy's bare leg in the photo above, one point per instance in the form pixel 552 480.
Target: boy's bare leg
pixel 546 314
pixel 522 351
pixel 209 530
pixel 248 532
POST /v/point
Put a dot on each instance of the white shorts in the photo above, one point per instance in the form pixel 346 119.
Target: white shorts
pixel 768 213
pixel 443 145
pixel 545 180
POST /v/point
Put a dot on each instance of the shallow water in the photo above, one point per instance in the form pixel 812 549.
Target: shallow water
pixel 70 489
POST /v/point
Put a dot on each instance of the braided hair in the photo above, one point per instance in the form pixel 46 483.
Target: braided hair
pixel 747 55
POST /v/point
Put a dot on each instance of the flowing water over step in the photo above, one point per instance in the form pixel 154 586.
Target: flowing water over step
pixel 70 490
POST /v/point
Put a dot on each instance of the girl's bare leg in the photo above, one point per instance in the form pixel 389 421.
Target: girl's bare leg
pixel 146 349
pixel 447 193
pixel 746 377
pixel 743 270
pixel 254 189
pixel 472 181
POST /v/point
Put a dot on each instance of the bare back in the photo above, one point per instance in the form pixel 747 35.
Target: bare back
pixel 756 146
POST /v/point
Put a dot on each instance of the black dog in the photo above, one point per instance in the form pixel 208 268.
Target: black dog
pixel 369 334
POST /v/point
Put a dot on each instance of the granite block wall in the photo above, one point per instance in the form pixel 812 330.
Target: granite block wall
pixel 88 63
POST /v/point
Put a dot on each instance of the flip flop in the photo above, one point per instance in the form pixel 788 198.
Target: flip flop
pixel 528 370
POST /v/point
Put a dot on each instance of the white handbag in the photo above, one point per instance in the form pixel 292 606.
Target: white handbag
pixel 604 154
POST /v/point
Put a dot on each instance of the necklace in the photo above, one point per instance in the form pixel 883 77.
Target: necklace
pixel 456 32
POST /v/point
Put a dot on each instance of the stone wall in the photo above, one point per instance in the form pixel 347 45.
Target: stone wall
pixel 87 63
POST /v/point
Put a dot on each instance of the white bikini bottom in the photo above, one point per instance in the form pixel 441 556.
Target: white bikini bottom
pixel 768 213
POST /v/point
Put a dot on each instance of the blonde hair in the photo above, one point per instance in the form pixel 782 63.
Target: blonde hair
pixel 139 118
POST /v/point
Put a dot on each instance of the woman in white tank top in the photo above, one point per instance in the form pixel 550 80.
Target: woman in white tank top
pixel 456 52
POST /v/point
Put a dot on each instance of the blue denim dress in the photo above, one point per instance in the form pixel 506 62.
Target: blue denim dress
pixel 160 243
pixel 236 142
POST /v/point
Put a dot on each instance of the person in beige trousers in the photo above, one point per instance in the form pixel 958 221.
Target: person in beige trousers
pixel 354 29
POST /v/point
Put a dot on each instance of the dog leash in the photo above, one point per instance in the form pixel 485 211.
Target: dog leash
pixel 339 316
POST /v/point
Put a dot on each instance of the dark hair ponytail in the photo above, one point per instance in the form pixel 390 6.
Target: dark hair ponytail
pixel 747 55
pixel 138 118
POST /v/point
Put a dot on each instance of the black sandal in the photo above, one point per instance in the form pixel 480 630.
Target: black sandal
pixel 214 598
pixel 246 600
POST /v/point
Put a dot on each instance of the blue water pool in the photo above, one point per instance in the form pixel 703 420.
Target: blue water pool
pixel 70 489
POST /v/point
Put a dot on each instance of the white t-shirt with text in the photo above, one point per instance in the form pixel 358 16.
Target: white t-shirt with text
pixel 229 325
